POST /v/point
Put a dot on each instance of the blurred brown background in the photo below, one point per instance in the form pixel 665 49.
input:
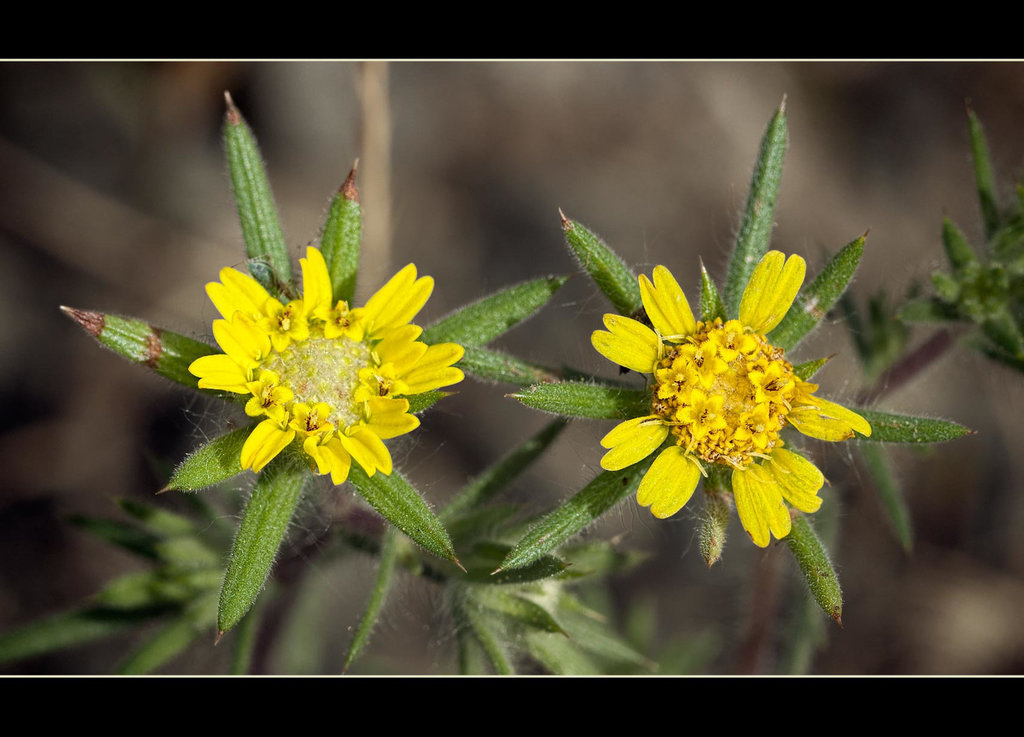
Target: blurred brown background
pixel 114 196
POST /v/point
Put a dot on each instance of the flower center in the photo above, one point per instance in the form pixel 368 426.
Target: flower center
pixel 324 370
pixel 724 392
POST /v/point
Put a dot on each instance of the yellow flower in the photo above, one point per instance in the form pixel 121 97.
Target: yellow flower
pixel 324 376
pixel 721 393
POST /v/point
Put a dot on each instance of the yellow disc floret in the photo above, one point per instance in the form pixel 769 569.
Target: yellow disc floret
pixel 724 393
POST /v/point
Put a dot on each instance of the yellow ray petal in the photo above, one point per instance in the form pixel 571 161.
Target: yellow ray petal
pixel 398 301
pixel 826 420
pixel 434 368
pixel 629 343
pixel 264 443
pixel 237 292
pixel 389 418
pixel 632 441
pixel 669 483
pixel 242 339
pixel 368 450
pixel 316 282
pixel 798 479
pixel 666 304
pixel 759 505
pixel 771 290
pixel 220 372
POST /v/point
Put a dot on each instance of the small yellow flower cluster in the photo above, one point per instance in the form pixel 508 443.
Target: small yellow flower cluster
pixel 323 374
pixel 724 393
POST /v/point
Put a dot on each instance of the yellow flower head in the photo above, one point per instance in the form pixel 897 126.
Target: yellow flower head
pixel 721 393
pixel 325 376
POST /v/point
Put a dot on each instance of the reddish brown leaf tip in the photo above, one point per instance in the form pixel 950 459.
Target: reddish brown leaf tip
pixel 457 562
pixel 233 116
pixel 164 490
pixel 782 105
pixel 496 570
pixel 566 222
pixel 220 634
pixel 838 617
pixel 348 188
pixel 865 236
pixel 91 322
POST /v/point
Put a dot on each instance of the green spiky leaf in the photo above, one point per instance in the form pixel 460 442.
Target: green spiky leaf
pixel 483 321
pixel 808 369
pixel 887 427
pixel 611 274
pixel 814 563
pixel 711 304
pixel 579 512
pixel 983 175
pixel 492 365
pixel 399 503
pixel 585 399
pixel 343 231
pixel 261 229
pixel 264 523
pixel 756 229
pixel 213 463
pixel 816 299
pixel 385 575
pixel 958 250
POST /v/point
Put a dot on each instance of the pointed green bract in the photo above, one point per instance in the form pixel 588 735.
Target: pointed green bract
pixel 876 459
pixel 958 250
pixel 385 574
pixel 611 274
pixel 519 609
pixel 422 402
pixel 808 369
pixel 983 175
pixel 483 487
pixel 579 512
pixel 162 351
pixel 484 363
pixel 261 229
pixel 814 563
pixel 339 244
pixel 399 503
pixel 756 229
pixel 584 399
pixel 817 298
pixel 711 304
pixel 713 525
pixel 599 639
pixel 887 427
pixel 167 643
pixel 264 523
pixel 217 461
pixel 483 561
pixel 481 322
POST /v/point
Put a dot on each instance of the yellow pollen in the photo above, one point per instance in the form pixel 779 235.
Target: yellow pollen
pixel 725 398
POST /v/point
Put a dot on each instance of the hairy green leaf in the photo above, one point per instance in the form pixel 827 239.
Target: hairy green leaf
pixel 217 461
pixel 559 655
pixel 713 525
pixel 808 369
pixel 484 559
pixel 711 304
pixel 481 322
pixel 424 401
pixel 814 563
pixel 484 363
pixel 958 250
pixel 611 274
pixel 261 229
pixel 816 299
pixel 264 523
pixel 519 609
pixel 469 616
pixel 756 228
pixel 983 175
pixel 162 351
pixel 598 639
pixel 600 558
pixel 483 487
pixel 892 428
pixel 399 503
pixel 67 630
pixel 585 399
pixel 341 238
pixel 577 513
